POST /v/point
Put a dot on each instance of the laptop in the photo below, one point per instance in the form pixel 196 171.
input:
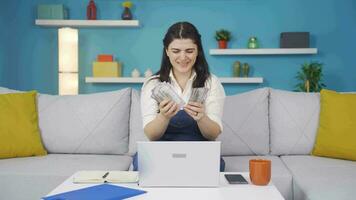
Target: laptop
pixel 179 164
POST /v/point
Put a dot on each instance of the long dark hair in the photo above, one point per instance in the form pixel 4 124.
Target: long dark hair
pixel 184 30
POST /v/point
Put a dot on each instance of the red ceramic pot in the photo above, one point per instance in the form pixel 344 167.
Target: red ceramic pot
pixel 222 44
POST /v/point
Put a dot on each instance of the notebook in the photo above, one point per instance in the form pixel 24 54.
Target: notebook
pixel 105 177
pixel 98 192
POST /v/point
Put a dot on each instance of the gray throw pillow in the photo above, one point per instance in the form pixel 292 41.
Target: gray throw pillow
pixel 245 121
pixel 85 124
pixel 294 120
pixel 136 124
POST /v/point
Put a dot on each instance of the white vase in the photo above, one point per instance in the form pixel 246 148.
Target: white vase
pixel 135 73
pixel 148 73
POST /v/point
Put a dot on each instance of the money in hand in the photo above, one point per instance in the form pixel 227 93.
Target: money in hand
pixel 164 91
pixel 198 94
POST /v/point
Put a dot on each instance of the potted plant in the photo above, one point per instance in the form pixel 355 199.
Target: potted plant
pixel 222 36
pixel 310 77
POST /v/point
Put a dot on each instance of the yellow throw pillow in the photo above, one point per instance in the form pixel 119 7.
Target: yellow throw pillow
pixel 19 131
pixel 336 136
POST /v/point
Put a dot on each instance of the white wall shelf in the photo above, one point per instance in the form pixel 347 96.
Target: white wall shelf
pixel 277 51
pixel 114 80
pixel 141 80
pixel 87 23
pixel 241 79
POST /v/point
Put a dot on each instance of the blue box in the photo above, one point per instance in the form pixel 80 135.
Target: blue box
pixel 51 11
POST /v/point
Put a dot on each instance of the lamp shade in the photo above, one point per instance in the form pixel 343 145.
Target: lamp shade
pixel 68 83
pixel 68 61
pixel 68 49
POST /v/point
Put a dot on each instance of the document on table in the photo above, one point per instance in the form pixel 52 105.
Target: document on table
pixel 98 192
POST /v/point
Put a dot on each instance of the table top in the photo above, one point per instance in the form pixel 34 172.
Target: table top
pixel 224 191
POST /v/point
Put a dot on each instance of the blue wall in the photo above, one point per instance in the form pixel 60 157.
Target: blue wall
pixel 29 53
pixel 4 51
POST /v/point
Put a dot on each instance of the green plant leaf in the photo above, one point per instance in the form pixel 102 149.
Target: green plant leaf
pixel 312 72
pixel 222 34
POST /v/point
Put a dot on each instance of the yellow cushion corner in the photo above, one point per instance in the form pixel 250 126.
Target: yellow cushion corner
pixel 336 137
pixel 19 130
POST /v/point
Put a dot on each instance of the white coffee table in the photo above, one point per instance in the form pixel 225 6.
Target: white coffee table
pixel 224 191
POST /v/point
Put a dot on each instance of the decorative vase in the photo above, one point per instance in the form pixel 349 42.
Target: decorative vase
pixel 126 14
pixel 148 73
pixel 135 73
pixel 245 69
pixel 91 10
pixel 252 43
pixel 236 69
pixel 222 44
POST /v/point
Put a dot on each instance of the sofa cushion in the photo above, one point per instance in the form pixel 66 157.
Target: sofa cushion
pixel 90 123
pixel 136 125
pixel 19 131
pixel 281 177
pixel 4 90
pixel 245 121
pixel 63 164
pixel 37 176
pixel 294 118
pixel 336 136
pixel 318 178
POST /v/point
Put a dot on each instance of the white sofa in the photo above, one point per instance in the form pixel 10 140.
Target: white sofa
pixel 99 132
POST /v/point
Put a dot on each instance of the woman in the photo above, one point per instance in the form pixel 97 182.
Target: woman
pixel 183 66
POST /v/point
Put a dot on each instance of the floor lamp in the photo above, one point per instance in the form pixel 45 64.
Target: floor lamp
pixel 68 61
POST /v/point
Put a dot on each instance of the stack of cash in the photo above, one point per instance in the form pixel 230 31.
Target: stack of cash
pixel 199 94
pixel 164 91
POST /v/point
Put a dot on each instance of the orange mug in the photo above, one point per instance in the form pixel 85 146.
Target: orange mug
pixel 260 171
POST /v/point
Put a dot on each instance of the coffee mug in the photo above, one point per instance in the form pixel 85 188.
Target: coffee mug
pixel 260 171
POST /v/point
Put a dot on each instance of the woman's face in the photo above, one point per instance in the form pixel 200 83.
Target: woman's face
pixel 182 54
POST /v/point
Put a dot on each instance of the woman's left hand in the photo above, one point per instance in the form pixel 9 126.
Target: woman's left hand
pixel 195 110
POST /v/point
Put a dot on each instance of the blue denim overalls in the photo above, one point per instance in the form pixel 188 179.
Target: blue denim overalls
pixel 181 127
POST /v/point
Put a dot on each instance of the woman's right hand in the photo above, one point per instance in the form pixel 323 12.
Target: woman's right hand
pixel 168 108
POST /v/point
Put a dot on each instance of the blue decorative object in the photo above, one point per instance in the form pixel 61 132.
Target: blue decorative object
pixel 51 11
pixel 98 192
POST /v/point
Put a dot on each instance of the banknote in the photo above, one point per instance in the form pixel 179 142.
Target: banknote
pixel 164 91
pixel 199 94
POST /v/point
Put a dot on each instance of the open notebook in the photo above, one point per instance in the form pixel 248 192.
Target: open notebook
pixel 105 177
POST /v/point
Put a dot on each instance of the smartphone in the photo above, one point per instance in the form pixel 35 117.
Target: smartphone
pixel 235 179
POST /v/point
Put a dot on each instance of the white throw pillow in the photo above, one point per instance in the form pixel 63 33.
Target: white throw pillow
pixel 245 121
pixel 294 119
pixel 88 124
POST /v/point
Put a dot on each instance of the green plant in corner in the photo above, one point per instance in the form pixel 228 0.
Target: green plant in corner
pixel 222 36
pixel 310 77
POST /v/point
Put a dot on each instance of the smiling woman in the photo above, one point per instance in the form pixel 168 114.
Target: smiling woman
pixel 182 54
pixel 184 68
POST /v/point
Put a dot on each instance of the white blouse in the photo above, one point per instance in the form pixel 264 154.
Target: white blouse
pixel 214 102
